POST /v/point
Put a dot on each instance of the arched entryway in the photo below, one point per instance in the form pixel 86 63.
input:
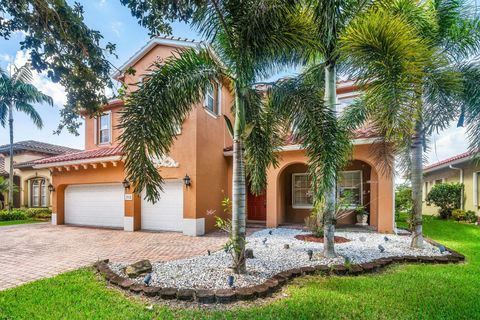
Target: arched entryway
pixel 296 201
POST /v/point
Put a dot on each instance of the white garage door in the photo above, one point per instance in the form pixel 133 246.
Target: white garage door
pixel 167 213
pixel 100 205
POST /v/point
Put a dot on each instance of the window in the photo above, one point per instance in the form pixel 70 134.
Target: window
pixel 350 188
pixel 38 191
pixel 302 197
pixel 213 98
pixel 476 189
pixel 104 128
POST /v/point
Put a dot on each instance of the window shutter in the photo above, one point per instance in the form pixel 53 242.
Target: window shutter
pixel 95 139
pixel 219 99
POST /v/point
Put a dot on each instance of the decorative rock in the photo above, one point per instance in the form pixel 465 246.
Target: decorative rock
pixel 151 291
pixel 286 246
pixel 261 290
pixel 307 270
pixel 367 267
pixel 322 269
pixel 249 254
pixel 426 259
pixel 286 274
pixel 296 273
pixel 245 293
pixel 138 268
pixel 137 288
pixel 441 260
pixel 398 259
pixel 339 269
pixel 225 295
pixel 355 269
pixel 453 258
pixel 125 284
pixel 116 280
pixel 205 296
pixel 109 274
pixel 411 259
pixel 363 239
pixel 280 279
pixel 273 284
pixel 168 293
pixel 185 294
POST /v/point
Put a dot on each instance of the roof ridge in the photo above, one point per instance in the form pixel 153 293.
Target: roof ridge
pixel 451 159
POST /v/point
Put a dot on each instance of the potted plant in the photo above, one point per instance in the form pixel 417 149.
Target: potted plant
pixel 362 215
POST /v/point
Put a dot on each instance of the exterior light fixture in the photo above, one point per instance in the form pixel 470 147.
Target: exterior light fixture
pixel 230 281
pixel 381 248
pixel 51 188
pixel 310 254
pixel 126 183
pixel 187 181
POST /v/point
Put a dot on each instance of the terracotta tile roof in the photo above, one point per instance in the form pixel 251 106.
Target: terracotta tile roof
pixel 362 133
pixel 37 146
pixel 460 156
pixel 83 155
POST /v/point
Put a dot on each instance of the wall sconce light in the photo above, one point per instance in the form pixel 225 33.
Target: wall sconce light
pixel 51 188
pixel 126 183
pixel 187 181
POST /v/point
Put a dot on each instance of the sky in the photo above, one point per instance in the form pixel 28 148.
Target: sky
pixel 116 24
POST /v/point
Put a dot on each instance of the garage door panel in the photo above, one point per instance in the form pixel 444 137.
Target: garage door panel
pixel 99 205
pixel 167 213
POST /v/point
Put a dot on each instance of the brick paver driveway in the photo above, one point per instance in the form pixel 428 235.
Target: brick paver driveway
pixel 35 251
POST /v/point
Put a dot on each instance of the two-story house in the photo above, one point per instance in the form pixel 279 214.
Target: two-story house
pixel 91 189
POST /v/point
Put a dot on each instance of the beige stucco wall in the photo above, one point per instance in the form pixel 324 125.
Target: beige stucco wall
pixel 450 175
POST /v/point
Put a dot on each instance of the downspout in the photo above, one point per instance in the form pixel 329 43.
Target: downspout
pixel 461 181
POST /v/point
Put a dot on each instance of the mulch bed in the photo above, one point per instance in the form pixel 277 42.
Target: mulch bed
pixel 313 238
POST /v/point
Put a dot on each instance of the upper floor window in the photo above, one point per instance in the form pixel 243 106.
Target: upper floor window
pixel 213 98
pixel 104 128
pixel 350 188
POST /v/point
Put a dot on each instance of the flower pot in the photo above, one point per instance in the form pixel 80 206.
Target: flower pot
pixel 362 219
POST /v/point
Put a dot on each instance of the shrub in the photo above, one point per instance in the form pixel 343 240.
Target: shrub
pixel 458 215
pixel 446 196
pixel 403 199
pixel 39 213
pixel 470 216
pixel 15 214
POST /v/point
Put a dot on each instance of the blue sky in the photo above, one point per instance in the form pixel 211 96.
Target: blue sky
pixel 117 26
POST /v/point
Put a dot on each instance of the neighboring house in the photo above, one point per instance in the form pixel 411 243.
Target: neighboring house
pixel 461 168
pixel 90 186
pixel 32 183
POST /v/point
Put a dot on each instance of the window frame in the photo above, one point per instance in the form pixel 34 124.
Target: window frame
pixel 360 191
pixel 99 129
pixel 299 206
pixel 38 189
pixel 476 189
pixel 213 92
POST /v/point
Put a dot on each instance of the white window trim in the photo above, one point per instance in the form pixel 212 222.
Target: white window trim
pixel 109 113
pixel 219 95
pixel 296 206
pixel 219 99
pixel 361 187
pixel 475 189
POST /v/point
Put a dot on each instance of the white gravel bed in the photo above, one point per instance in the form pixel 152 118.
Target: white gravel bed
pixel 210 272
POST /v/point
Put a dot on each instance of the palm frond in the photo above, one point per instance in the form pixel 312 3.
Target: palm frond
pixel 29 110
pixel 152 113
pixel 471 101
pixel 22 74
pixel 28 93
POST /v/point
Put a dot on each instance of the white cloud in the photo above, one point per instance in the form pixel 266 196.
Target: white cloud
pixel 447 143
pixel 41 81
pixel 117 28
pixel 5 57
pixel 102 3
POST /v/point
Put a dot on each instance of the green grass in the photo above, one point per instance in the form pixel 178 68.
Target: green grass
pixel 12 222
pixel 401 292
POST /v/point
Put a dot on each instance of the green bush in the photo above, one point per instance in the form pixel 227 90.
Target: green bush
pixel 403 199
pixel 446 196
pixel 458 215
pixel 15 214
pixel 39 213
pixel 470 216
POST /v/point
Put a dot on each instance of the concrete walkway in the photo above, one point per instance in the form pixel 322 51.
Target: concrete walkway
pixel 33 251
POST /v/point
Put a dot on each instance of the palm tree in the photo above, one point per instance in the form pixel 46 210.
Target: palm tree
pixel 248 40
pixel 437 87
pixel 315 90
pixel 17 92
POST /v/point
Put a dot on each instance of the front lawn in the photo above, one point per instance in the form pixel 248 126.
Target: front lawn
pixel 401 292
pixel 12 222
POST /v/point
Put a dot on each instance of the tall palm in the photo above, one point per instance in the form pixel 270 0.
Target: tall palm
pixel 440 85
pixel 17 93
pixel 248 40
pixel 315 89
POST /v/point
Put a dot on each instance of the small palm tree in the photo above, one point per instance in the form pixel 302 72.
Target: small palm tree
pixel 4 188
pixel 17 93
pixel 249 40
pixel 428 92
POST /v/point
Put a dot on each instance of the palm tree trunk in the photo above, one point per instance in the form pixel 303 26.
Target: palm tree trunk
pixel 330 194
pixel 238 192
pixel 416 178
pixel 10 177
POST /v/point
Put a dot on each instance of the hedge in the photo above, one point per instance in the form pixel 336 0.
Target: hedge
pixel 25 213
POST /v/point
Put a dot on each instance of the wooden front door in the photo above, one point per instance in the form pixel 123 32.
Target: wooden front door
pixel 257 207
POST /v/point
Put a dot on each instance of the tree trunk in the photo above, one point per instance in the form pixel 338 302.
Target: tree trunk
pixel 238 192
pixel 330 194
pixel 11 172
pixel 416 178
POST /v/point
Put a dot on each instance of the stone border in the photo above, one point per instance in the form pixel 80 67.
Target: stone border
pixel 271 285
